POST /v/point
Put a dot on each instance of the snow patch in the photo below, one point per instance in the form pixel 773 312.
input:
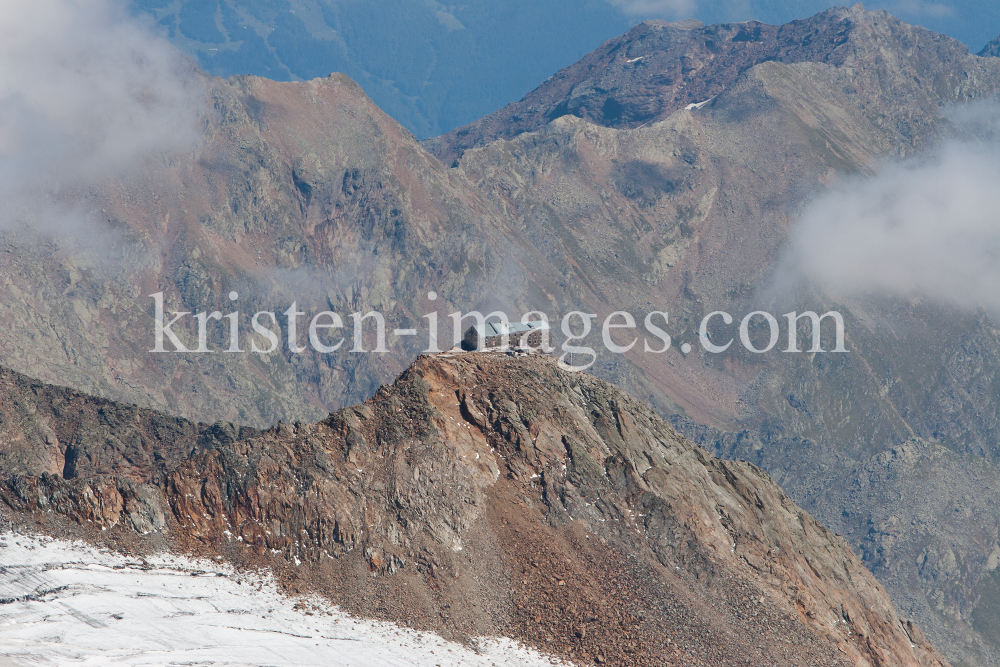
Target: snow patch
pixel 698 105
pixel 66 603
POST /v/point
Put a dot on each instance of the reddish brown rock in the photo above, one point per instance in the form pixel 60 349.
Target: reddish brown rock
pixel 490 494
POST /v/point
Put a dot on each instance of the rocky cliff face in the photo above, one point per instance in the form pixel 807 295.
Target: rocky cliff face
pixel 53 435
pixel 485 493
pixel 992 49
pixel 308 192
pixel 303 193
pixel 688 207
pixel 658 68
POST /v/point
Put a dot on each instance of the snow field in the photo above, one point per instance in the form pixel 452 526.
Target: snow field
pixel 66 603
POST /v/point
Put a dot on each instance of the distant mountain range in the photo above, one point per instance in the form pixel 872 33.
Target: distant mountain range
pixel 430 66
pixel 599 191
pixel 434 67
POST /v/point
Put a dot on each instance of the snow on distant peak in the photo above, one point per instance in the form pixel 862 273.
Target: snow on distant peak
pixel 65 603
pixel 698 105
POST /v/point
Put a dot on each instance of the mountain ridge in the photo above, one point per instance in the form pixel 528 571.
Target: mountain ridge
pixel 335 206
pixel 658 68
pixel 417 506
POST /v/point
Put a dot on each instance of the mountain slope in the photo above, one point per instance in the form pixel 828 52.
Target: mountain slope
pixel 658 68
pixel 992 49
pixel 696 208
pixel 492 494
pixel 434 67
pixel 300 193
pixel 429 65
pixel 308 193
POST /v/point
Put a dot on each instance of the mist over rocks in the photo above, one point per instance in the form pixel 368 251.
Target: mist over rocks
pixel 300 192
pixel 927 227
pixel 87 94
pixel 309 188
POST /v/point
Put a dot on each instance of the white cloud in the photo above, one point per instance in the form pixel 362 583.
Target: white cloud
pixel 929 228
pixel 85 91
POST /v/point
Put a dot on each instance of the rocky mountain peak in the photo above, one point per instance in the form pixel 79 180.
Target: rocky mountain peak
pixel 307 190
pixel 484 492
pixel 657 68
pixel 992 49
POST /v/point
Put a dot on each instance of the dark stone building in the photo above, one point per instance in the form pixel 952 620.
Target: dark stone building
pixel 501 334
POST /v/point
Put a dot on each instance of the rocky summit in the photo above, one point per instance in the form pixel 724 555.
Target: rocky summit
pixel 308 193
pixel 657 68
pixel 600 191
pixel 480 494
